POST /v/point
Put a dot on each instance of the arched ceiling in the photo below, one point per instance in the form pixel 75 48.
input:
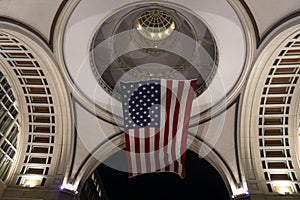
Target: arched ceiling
pixel 265 21
pixel 37 14
pixel 40 16
pixel 240 28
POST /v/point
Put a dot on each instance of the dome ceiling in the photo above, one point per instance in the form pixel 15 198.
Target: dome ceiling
pixel 153 41
pixel 146 43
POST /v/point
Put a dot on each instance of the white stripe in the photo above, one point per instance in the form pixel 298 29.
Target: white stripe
pixel 151 154
pixel 142 150
pixel 171 166
pixel 132 151
pixel 181 118
pixel 162 122
pixel 171 121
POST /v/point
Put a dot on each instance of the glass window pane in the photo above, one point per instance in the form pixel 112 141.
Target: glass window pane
pixel 5 124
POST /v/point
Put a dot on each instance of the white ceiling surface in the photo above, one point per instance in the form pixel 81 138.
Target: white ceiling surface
pixel 37 14
pixel 268 12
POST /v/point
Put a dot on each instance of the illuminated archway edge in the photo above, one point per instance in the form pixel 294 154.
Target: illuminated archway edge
pixel 43 55
pixel 115 143
pixel 250 151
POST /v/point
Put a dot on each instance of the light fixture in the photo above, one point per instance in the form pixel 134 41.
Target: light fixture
pixel 241 192
pixel 283 187
pixel 69 187
pixel 32 181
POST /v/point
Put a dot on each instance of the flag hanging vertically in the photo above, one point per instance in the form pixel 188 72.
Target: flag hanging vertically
pixel 156 118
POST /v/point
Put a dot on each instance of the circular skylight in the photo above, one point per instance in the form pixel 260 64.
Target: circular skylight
pixel 155 24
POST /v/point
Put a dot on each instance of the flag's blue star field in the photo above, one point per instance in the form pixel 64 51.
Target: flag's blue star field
pixel 141 104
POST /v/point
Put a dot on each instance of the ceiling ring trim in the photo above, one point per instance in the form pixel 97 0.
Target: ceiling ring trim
pixel 220 104
pixel 55 21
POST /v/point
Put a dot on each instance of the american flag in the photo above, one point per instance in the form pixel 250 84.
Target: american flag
pixel 156 117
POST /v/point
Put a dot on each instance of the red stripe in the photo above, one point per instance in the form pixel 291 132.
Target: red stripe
pixel 185 125
pixel 137 150
pixel 156 148
pixel 175 120
pixel 176 167
pixel 167 128
pixel 127 142
pixel 147 150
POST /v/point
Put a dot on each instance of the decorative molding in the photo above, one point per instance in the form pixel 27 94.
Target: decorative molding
pixel 43 105
pixel 269 139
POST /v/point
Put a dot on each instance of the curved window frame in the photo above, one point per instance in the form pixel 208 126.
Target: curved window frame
pixel 9 127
